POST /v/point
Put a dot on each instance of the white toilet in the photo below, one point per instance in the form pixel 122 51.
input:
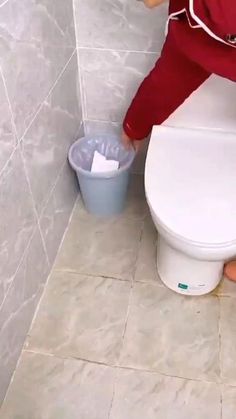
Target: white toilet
pixel 190 183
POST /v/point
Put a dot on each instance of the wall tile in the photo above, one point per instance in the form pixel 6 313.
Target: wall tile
pixel 17 220
pixel 119 24
pixel 30 71
pixel 57 212
pixel 38 21
pixel 47 141
pixel 37 39
pixel 110 80
pixel 101 127
pixel 19 306
pixel 7 137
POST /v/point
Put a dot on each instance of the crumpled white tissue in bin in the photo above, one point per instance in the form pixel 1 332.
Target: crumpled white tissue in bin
pixel 101 164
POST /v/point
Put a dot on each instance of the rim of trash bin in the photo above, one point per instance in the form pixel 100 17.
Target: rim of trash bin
pixel 88 173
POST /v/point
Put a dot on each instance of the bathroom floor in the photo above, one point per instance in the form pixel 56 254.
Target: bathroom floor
pixel 110 341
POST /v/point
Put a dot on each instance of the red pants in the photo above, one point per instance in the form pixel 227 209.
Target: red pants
pixel 188 58
pixel 172 80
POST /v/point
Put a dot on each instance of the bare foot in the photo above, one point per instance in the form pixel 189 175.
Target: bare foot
pixel 230 270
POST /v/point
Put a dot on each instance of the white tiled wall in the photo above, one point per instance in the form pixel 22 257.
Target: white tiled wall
pixel 39 118
pixel 118 43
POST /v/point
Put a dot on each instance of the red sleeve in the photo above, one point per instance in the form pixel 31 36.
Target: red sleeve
pixel 172 80
pixel 141 115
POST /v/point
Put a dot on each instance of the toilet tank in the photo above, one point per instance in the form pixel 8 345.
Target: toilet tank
pixel 212 106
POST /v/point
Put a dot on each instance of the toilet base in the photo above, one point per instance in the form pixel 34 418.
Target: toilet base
pixel 186 275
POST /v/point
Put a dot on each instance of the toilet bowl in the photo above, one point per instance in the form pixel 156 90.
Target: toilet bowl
pixel 190 184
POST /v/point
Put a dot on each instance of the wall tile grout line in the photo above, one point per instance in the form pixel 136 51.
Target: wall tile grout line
pixel 19 265
pixel 34 230
pixel 82 89
pixel 104 49
pixel 4 3
pixel 37 112
pixel 48 94
pixel 9 104
pixel 82 94
pixel 34 208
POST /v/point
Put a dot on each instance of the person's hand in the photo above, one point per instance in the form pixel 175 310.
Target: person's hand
pixel 153 3
pixel 128 142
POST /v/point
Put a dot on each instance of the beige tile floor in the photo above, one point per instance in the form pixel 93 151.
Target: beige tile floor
pixel 109 341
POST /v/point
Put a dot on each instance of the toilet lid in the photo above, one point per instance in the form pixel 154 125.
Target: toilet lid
pixel 190 181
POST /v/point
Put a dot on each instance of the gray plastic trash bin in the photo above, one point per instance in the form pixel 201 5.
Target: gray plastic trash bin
pixel 104 194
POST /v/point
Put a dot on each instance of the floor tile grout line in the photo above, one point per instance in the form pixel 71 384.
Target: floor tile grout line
pixel 136 281
pixel 220 356
pixel 126 320
pixel 73 272
pixel 119 367
pixel 114 392
pixel 139 248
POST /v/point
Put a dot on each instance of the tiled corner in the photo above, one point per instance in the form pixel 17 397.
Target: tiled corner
pixel 141 395
pixel 140 160
pixel 56 214
pixel 7 136
pixel 46 143
pixel 81 317
pixel 100 247
pixel 110 79
pixel 172 334
pixel 228 339
pixel 146 267
pixel 136 207
pixel 228 402
pixel 18 308
pixel 115 24
pixel 101 127
pixel 17 220
pixel 50 387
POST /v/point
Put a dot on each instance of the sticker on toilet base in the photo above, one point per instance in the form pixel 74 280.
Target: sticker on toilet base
pixel 182 286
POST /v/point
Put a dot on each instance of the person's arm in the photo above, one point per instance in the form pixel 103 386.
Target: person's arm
pixel 140 118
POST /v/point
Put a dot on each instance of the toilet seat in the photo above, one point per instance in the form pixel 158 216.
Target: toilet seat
pixel 190 182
